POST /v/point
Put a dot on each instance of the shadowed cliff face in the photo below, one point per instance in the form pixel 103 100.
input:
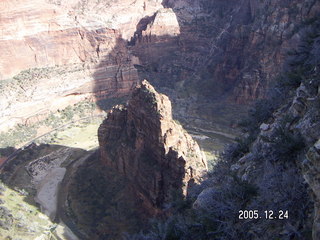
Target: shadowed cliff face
pixel 116 75
pixel 142 142
pixel 225 49
pixel 202 53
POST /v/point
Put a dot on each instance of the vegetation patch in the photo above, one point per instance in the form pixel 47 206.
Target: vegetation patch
pixel 20 220
pixel 22 134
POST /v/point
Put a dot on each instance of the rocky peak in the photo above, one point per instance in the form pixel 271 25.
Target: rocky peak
pixel 154 152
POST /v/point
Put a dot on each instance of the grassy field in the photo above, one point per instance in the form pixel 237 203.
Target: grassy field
pixel 82 136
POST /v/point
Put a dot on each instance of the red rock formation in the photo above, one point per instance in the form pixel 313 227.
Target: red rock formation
pixel 78 48
pixel 40 34
pixel 145 144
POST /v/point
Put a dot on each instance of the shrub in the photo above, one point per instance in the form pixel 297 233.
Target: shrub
pixel 287 143
pixel 67 113
pixel 259 113
pixel 238 149
pixel 283 188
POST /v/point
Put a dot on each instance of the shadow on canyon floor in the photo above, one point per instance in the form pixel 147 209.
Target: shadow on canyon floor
pixel 94 201
pixel 33 176
pixel 16 172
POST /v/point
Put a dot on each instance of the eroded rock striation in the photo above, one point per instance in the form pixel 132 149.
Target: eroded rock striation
pixel 44 33
pixel 144 143
pixel 58 53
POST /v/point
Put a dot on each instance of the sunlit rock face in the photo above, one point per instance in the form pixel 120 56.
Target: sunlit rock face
pixel 163 25
pixel 47 33
pixel 75 50
pixel 144 143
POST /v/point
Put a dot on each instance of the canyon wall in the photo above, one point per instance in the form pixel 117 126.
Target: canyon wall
pixel 195 51
pixel 277 157
pixel 48 33
pixel 144 143
pixel 57 53
pixel 226 49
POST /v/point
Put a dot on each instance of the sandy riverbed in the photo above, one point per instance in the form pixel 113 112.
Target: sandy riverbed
pixel 47 175
pixel 47 193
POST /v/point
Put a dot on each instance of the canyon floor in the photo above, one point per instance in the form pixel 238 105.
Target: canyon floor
pixel 45 174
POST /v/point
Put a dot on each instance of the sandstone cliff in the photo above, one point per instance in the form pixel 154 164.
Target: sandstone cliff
pixel 144 143
pixel 57 53
pixel 46 33
pixel 224 49
pixel 204 49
